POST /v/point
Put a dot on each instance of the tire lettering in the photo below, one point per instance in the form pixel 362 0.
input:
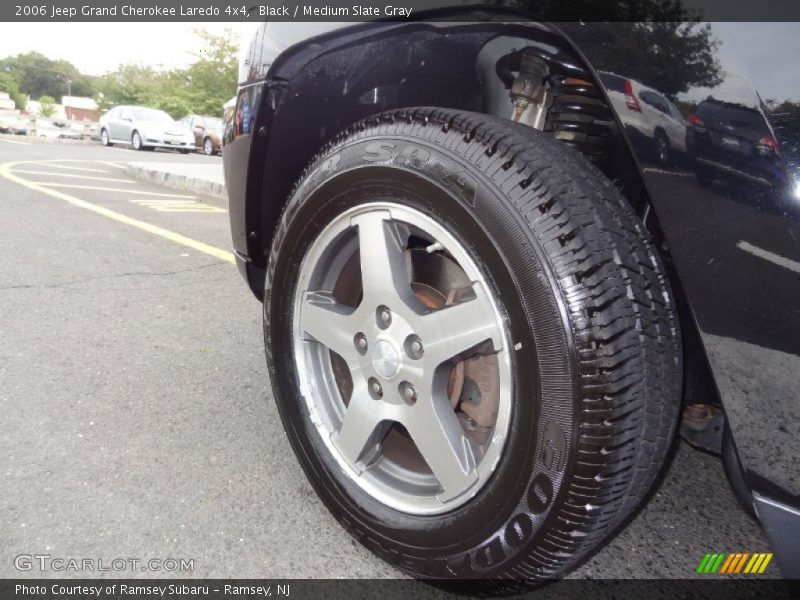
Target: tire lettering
pixel 540 494
pixel 554 452
pixel 518 530
pixel 462 184
pixel 490 554
pixel 415 155
pixel 330 163
pixel 379 152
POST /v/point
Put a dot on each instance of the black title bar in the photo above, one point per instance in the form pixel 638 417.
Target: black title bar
pixel 395 10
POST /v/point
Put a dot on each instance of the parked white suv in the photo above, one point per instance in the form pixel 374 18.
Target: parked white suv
pixel 648 115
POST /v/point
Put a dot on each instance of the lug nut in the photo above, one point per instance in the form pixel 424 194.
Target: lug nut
pixel 384 316
pixel 375 389
pixel 360 342
pixel 409 392
pixel 414 347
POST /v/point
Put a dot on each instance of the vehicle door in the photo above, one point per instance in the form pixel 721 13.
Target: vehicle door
pixel 123 126
pixel 655 111
pixel 676 126
pixel 111 119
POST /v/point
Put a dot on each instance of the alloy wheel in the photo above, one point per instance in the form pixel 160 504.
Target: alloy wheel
pixel 403 358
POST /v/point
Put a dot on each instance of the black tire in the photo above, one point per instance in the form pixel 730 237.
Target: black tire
pixel 663 152
pixel 208 147
pixel 105 139
pixel 598 361
pixel 136 141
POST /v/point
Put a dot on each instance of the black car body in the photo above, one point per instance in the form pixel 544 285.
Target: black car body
pixel 735 259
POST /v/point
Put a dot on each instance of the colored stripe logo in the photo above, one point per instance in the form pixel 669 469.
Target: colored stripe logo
pixel 733 563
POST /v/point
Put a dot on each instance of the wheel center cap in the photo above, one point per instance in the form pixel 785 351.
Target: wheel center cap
pixel 385 359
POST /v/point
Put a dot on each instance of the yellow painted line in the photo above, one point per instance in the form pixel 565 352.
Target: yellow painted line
pixel 763 565
pixel 16 142
pixel 179 206
pixel 57 166
pixel 27 172
pixel 107 189
pixel 224 255
pixel 113 164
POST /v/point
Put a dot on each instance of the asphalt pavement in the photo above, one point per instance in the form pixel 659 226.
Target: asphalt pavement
pixel 136 413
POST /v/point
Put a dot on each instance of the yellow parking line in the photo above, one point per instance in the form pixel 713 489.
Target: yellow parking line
pixel 113 164
pixel 107 189
pixel 178 206
pixel 57 166
pixel 224 255
pixel 15 142
pixel 73 176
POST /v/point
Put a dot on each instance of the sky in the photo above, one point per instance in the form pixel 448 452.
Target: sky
pixel 96 48
pixel 99 47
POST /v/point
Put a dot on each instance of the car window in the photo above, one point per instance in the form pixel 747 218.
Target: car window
pixel 151 114
pixel 113 113
pixel 655 100
pixel 125 113
pixel 214 124
pixel 732 114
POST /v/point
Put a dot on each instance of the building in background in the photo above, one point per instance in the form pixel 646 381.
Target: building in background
pixel 77 108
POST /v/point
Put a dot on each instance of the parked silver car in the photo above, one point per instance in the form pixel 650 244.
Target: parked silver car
pixel 144 129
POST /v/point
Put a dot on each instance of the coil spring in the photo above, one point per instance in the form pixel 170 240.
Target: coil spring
pixel 580 117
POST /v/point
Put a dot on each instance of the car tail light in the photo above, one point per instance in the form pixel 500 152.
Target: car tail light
pixel 630 100
pixel 768 145
pixel 695 120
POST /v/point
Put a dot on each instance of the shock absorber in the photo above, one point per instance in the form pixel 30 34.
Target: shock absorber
pixel 553 92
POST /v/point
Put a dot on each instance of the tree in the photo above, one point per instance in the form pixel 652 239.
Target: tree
pixel 211 80
pixel 47 106
pixel 38 75
pixel 10 85
pixel 202 87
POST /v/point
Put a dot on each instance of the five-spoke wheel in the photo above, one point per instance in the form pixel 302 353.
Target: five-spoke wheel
pixel 394 310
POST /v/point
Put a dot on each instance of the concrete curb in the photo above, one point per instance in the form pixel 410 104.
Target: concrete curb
pixel 209 183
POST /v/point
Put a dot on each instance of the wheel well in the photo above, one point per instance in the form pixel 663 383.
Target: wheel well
pixel 310 103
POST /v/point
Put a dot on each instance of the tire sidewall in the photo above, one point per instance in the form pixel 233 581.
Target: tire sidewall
pixel 511 511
